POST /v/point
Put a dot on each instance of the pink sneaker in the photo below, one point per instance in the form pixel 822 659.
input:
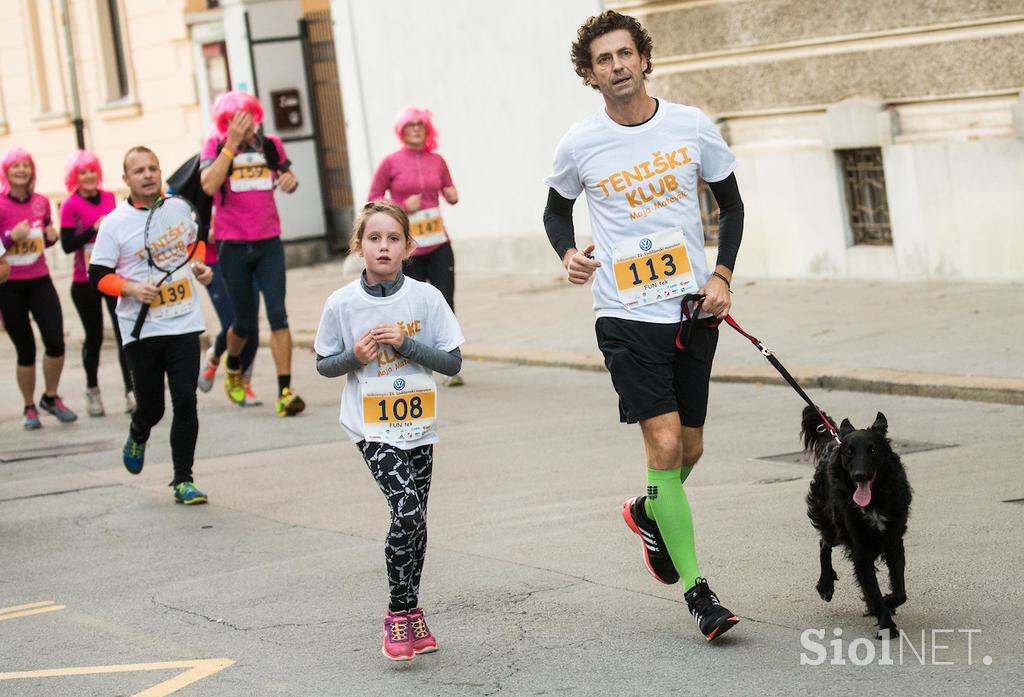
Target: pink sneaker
pixel 423 640
pixel 397 641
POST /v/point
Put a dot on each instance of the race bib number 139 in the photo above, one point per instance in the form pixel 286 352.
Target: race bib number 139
pixel 652 268
pixel 175 298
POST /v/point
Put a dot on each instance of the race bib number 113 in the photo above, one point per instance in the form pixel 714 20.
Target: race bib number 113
pixel 652 268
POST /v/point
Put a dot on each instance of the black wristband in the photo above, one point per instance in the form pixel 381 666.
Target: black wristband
pixel 727 284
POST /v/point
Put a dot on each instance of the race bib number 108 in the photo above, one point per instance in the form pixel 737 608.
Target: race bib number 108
pixel 398 409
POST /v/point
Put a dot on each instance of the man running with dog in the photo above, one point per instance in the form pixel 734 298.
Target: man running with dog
pixel 638 160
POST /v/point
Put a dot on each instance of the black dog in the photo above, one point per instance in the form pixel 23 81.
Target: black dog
pixel 860 499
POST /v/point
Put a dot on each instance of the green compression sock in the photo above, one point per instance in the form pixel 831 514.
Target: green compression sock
pixel 672 514
pixel 684 472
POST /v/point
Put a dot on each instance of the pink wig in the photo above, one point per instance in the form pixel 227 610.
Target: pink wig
pixel 81 160
pixel 10 157
pixel 410 114
pixel 226 105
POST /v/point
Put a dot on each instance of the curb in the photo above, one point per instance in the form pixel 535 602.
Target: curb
pixel 876 381
pixel 973 388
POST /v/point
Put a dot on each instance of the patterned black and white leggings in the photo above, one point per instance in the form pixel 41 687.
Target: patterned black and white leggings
pixel 404 478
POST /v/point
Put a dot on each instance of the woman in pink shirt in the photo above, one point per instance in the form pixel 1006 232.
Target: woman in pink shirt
pixel 26 230
pixel 417 177
pixel 80 218
pixel 242 169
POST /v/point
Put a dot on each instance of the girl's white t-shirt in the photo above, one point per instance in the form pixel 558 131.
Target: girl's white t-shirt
pixel 422 313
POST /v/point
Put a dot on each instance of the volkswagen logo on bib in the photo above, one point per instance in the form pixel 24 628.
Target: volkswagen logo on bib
pixel 399 384
pixel 645 245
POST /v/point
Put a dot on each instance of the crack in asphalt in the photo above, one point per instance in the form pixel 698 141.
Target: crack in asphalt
pixel 59 493
pixel 234 627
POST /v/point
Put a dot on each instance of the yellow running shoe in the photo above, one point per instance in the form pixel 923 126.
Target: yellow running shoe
pixel 234 386
pixel 289 404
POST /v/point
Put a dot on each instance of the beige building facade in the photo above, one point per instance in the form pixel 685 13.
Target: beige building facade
pixel 134 72
pixel 875 139
pixel 144 70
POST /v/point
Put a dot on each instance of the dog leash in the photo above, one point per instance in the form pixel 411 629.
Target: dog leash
pixel 698 300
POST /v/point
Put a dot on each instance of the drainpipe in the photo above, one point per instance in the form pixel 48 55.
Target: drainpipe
pixel 69 50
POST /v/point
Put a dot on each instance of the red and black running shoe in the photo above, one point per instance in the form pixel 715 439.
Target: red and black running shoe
pixel 712 619
pixel 656 557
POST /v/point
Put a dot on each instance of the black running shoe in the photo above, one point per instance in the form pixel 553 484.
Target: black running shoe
pixel 656 557
pixel 712 619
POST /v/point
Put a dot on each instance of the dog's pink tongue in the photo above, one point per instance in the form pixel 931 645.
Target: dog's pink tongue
pixel 862 497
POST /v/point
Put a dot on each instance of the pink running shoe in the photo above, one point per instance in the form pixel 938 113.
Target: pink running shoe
pixel 423 640
pixel 397 641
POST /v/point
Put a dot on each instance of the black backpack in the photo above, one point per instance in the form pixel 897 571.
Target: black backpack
pixel 186 182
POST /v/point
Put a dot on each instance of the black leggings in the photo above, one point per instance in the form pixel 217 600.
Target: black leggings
pixel 436 268
pixel 404 478
pixel 38 296
pixel 177 357
pixel 88 303
pixel 262 261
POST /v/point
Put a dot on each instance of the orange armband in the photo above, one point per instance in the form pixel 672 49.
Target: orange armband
pixel 200 250
pixel 111 284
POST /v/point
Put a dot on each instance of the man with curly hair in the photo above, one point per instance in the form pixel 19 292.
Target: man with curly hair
pixel 638 160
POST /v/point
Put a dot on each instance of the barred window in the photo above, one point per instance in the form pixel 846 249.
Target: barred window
pixel 708 212
pixel 866 200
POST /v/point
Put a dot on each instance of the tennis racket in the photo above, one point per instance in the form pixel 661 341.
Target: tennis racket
pixel 170 237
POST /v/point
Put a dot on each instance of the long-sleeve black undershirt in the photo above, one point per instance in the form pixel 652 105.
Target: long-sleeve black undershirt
pixel 70 238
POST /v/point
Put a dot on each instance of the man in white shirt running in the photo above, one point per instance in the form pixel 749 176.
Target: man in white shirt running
pixel 638 160
pixel 169 342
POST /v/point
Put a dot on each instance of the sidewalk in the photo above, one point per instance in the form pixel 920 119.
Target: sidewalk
pixel 959 341
pixel 956 341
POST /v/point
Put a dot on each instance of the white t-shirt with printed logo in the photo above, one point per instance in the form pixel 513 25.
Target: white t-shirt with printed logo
pixel 120 245
pixel 418 308
pixel 641 181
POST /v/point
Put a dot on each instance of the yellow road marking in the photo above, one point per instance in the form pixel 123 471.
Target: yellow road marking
pixel 198 669
pixel 10 613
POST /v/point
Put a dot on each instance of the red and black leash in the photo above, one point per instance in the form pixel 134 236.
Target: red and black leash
pixel 765 351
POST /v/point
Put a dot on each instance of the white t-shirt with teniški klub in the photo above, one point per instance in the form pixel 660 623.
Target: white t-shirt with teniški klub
pixel 641 186
pixel 422 313
pixel 120 245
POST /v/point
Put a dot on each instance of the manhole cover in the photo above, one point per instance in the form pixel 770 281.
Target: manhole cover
pixel 902 447
pixel 55 451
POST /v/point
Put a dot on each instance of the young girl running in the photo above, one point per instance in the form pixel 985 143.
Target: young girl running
pixel 388 332
pixel 26 229
pixel 80 218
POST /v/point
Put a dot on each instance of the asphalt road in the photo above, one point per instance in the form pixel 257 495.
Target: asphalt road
pixel 533 585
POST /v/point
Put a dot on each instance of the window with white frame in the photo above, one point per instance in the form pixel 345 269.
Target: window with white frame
pixel 44 51
pixel 113 50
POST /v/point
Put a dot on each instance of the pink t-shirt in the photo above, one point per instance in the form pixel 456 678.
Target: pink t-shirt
pixel 408 172
pixel 26 258
pixel 248 213
pixel 80 214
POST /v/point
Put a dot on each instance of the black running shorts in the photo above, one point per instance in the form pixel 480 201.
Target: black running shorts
pixel 653 377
